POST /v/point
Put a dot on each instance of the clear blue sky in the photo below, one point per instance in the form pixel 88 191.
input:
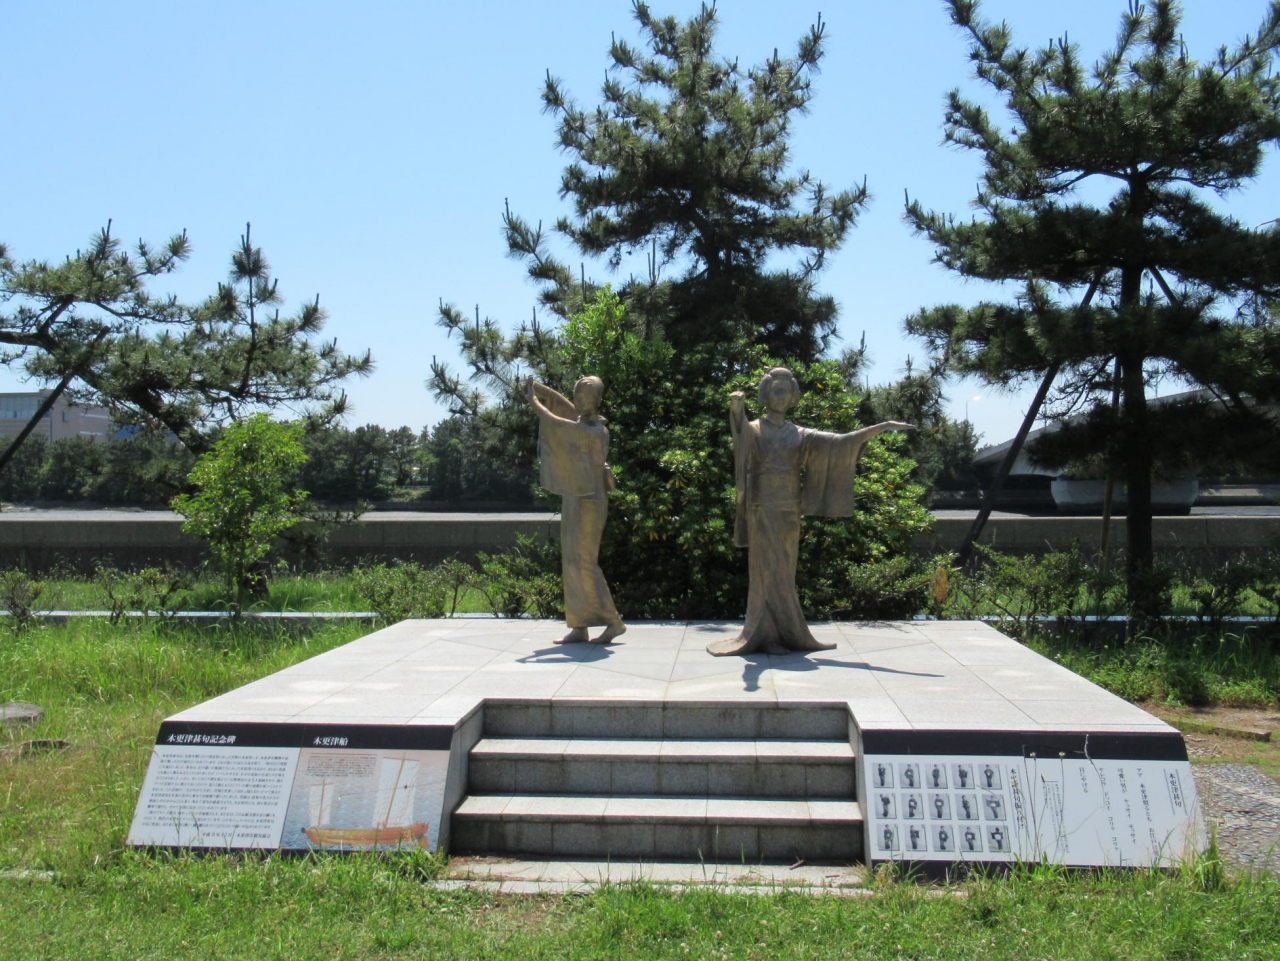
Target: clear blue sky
pixel 372 146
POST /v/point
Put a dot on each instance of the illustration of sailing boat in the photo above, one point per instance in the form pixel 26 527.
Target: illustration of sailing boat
pixel 393 811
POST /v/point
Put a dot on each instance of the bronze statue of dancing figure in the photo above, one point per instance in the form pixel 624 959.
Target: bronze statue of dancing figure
pixel 770 455
pixel 573 448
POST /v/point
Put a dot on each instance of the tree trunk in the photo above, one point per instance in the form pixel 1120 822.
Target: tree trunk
pixel 1006 465
pixel 49 401
pixel 1144 594
pixel 1144 598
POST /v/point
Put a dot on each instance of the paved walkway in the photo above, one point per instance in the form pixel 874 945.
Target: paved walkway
pixel 513 876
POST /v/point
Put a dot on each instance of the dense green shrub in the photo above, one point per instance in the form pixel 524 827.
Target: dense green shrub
pixel 524 579
pixel 895 588
pixel 668 547
pixel 1020 589
pixel 245 498
pixel 407 589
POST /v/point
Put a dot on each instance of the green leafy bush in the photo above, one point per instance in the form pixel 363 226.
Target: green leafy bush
pixel 896 588
pixel 18 594
pixel 1020 589
pixel 668 546
pixel 243 500
pixel 524 579
pixel 151 590
pixel 1220 592
pixel 407 589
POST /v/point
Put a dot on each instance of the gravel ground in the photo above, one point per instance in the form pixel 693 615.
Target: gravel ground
pixel 1242 805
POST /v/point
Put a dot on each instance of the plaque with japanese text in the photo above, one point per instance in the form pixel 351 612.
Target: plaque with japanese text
pixel 293 787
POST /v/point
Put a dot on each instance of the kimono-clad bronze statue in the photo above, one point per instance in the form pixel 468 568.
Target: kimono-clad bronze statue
pixel 769 456
pixel 573 446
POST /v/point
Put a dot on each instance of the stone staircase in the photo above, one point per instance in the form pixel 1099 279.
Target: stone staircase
pixel 671 780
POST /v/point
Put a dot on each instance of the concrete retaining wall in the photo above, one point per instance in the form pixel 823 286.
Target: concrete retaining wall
pixel 37 540
pixel 1204 538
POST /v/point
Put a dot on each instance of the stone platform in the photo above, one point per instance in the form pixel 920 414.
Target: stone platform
pixel 921 740
pixel 913 675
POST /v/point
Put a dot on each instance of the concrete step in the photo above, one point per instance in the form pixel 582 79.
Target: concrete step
pixel 707 828
pixel 666 719
pixel 631 766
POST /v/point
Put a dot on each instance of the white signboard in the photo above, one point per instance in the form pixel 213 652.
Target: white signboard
pixel 343 791
pixel 1074 811
pixel 218 797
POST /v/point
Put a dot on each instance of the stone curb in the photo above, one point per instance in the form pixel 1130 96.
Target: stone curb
pixel 24 874
pixel 1191 725
pixel 61 617
pixel 583 888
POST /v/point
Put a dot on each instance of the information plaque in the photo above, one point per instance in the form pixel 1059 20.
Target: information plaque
pixel 1058 809
pixel 293 787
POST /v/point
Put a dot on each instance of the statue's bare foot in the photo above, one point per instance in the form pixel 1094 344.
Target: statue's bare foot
pixel 576 636
pixel 776 647
pixel 731 645
pixel 610 632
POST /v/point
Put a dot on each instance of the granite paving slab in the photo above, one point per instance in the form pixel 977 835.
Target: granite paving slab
pixel 904 675
pixel 656 872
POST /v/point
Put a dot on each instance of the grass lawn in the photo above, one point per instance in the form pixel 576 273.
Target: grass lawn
pixel 303 593
pixel 1191 665
pixel 221 907
pixel 69 888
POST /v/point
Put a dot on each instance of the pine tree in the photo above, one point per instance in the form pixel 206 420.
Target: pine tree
pixel 1151 281
pixel 686 161
pixel 91 325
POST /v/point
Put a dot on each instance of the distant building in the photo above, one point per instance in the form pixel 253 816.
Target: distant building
pixel 987 460
pixel 64 419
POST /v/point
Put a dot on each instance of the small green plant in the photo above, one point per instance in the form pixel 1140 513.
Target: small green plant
pixel 1206 870
pixel 407 589
pixel 243 499
pixel 524 579
pixel 151 590
pixel 1266 583
pixel 19 593
pixel 1022 589
pixel 890 589
pixel 418 865
pixel 1221 591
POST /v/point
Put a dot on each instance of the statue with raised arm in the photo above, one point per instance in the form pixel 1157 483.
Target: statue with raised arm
pixel 573 447
pixel 782 472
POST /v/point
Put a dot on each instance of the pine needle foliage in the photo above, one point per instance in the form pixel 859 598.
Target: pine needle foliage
pixel 1097 199
pixel 160 364
pixel 686 161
